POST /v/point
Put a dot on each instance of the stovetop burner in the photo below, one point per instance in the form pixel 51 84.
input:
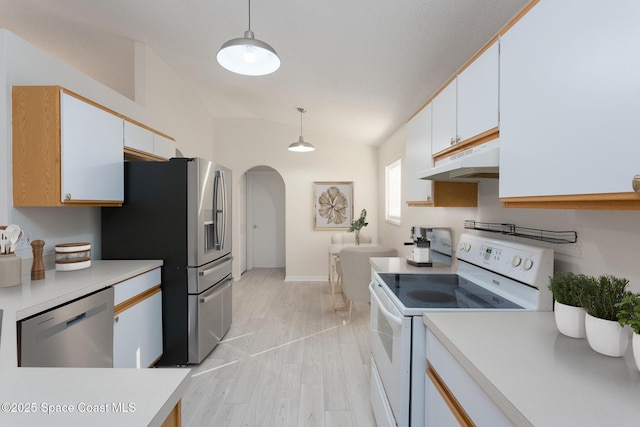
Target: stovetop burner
pixel 432 296
pixel 417 291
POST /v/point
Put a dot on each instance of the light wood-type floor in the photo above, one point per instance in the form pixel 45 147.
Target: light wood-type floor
pixel 287 360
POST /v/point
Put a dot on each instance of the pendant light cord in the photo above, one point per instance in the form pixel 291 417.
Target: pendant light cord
pixel 301 110
pixel 249 15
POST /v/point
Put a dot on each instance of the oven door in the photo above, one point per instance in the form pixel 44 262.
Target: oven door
pixel 391 353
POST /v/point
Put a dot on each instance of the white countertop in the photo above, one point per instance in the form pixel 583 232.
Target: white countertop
pixel 536 375
pixel 137 397
pixel 58 287
pixel 400 265
pixel 89 397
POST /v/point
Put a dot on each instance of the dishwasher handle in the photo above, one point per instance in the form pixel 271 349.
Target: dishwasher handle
pixel 79 318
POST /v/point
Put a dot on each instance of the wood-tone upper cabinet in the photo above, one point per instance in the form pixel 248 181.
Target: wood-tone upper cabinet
pixel 418 156
pixel 467 108
pixel 570 103
pixel 142 143
pixel 66 150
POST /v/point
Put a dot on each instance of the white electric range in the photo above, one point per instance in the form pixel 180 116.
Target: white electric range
pixel 492 274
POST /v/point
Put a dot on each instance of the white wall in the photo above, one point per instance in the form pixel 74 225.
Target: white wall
pixel 166 103
pixel 245 143
pixel 170 107
pixel 606 239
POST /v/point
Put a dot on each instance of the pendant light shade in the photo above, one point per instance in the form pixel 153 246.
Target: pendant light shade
pixel 300 145
pixel 247 55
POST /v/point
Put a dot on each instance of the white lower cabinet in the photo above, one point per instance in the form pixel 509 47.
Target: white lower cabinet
pixel 436 406
pixel 137 327
pixel 452 396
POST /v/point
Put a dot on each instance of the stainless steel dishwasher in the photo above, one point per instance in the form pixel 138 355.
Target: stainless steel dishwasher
pixel 78 334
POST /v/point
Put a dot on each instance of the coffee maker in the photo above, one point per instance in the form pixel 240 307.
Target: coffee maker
pixel 431 245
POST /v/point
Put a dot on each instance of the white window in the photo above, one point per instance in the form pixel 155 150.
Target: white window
pixel 393 191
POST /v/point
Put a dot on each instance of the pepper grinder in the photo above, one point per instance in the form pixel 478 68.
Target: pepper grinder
pixel 37 268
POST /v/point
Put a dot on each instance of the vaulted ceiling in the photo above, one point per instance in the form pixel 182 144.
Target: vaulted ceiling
pixel 359 67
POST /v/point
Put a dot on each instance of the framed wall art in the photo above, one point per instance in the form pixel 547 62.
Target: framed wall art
pixel 332 205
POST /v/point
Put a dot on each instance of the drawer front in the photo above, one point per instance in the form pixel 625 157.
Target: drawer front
pixel 136 285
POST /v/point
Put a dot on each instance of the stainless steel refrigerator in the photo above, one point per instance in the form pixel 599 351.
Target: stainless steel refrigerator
pixel 179 211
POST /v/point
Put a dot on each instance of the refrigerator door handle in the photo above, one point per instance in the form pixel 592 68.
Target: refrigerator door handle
pixel 221 223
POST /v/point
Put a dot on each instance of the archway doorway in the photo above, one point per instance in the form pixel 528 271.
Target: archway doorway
pixel 265 219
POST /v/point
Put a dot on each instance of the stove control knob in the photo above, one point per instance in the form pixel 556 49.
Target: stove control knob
pixel 528 263
pixel 516 260
pixel 465 246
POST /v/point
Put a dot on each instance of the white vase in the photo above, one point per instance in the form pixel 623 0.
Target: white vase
pixel 569 320
pixel 635 344
pixel 606 336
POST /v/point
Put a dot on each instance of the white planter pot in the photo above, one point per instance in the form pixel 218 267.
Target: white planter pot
pixel 635 344
pixel 606 336
pixel 570 320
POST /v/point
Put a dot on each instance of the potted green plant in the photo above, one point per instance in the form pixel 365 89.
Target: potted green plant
pixel 604 333
pixel 567 289
pixel 629 314
pixel 358 224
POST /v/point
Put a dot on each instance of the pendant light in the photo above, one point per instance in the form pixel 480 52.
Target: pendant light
pixel 247 55
pixel 300 145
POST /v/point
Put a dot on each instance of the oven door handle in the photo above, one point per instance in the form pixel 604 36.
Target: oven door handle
pixel 393 318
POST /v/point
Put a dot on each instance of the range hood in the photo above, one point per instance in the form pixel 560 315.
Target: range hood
pixel 475 164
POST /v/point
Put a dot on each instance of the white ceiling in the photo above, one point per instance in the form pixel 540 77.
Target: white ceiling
pixel 359 67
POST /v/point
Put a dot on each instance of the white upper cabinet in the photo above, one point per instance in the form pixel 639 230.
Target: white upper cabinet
pixel 478 94
pixel 418 156
pixel 91 152
pixel 445 118
pixel 137 137
pixel 570 100
pixel 147 143
pixel 468 106
pixel 163 147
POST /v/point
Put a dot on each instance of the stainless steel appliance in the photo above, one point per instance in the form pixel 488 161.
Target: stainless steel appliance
pixel 78 334
pixel 491 274
pixel 179 211
pixel 431 245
